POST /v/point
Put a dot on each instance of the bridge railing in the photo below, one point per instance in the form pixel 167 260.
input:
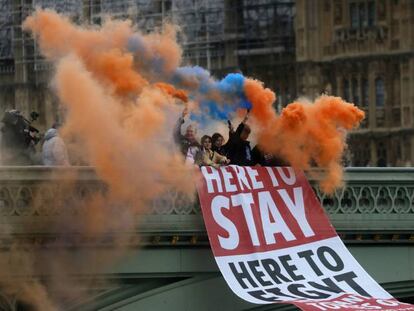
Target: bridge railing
pixel 376 204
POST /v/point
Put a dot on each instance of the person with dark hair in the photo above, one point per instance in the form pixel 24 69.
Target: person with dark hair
pixel 210 157
pixel 239 149
pixel 218 145
pixel 187 140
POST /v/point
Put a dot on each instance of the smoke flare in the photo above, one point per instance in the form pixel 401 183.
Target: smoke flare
pixel 311 134
pixel 123 91
pixel 305 134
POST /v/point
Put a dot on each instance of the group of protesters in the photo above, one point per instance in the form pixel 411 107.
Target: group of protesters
pixel 18 145
pixel 214 151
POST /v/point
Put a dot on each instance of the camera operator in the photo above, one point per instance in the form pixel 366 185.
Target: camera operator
pixel 19 138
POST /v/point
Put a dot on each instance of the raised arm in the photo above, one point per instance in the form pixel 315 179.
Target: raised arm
pixel 177 130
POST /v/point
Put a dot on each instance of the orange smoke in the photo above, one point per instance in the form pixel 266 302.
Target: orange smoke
pixel 131 156
pixel 262 100
pixel 165 46
pixel 124 136
pixel 305 134
pixel 171 90
pixel 120 121
pixel 102 51
pixel 117 68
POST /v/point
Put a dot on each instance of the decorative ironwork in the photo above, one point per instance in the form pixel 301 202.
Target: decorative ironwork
pixel 386 194
pixel 370 199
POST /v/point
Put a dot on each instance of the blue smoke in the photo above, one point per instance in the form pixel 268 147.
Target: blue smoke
pixel 218 99
pixel 136 44
pixel 232 85
pixel 244 103
pixel 229 90
pixel 151 62
pixel 193 76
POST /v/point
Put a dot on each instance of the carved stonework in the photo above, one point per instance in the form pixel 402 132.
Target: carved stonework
pixel 373 33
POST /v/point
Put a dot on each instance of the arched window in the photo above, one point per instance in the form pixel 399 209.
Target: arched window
pixel 363 21
pixel 379 92
pixel 355 91
pixel 365 92
pixel 353 12
pixel 396 90
pixel 338 13
pixel 346 90
pixel 371 13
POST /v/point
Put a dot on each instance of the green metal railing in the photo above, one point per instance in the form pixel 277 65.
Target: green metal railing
pixel 374 200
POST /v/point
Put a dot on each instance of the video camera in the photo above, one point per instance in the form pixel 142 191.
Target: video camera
pixel 18 131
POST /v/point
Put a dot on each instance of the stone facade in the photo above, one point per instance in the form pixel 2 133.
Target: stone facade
pixel 362 50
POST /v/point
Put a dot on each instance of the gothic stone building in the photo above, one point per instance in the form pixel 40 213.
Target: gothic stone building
pixel 363 51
